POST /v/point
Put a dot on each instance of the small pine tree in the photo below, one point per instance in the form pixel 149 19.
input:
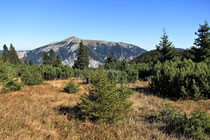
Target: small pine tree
pixel 82 57
pixel 166 48
pixel 110 58
pixel 31 62
pixel 106 102
pixel 110 62
pixel 13 57
pixel 201 50
pixel 71 87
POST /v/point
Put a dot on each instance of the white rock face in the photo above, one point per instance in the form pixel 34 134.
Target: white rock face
pixel 74 48
pixel 55 48
pixel 21 54
pixel 94 63
pixel 69 61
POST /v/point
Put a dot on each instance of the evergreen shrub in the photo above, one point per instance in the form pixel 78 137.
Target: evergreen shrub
pixel 144 71
pixel 182 79
pixel 31 76
pixel 7 72
pixel 195 125
pixel 117 76
pixel 133 74
pixel 71 88
pixel 87 75
pixel 12 85
pixel 48 72
pixel 105 102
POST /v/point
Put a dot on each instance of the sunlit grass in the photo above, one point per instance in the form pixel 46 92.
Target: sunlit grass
pixel 35 113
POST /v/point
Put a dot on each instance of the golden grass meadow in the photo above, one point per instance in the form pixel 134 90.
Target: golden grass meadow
pixel 41 112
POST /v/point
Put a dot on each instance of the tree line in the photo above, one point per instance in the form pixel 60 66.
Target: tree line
pixel 10 55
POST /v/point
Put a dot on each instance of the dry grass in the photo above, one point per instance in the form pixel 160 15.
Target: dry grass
pixel 33 113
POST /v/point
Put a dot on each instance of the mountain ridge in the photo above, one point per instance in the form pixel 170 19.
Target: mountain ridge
pixel 99 49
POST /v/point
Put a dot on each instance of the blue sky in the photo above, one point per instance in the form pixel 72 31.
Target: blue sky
pixel 29 24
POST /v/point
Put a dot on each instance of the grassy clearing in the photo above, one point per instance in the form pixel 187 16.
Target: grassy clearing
pixel 40 112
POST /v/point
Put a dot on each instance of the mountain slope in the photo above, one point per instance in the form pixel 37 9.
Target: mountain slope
pixel 99 50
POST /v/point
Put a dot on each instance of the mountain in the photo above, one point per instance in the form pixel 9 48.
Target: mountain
pixel 180 49
pixel 99 50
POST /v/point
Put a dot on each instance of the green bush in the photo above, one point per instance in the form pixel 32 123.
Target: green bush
pixel 113 76
pixel 12 85
pixel 71 88
pixel 182 79
pixel 59 73
pixel 117 76
pixel 87 75
pixel 173 118
pixel 123 77
pixel 105 102
pixel 195 125
pixel 21 69
pixel 31 76
pixel 64 72
pixel 48 72
pixel 133 74
pixel 198 125
pixel 144 71
pixel 7 71
pixel 3 73
pixel 78 73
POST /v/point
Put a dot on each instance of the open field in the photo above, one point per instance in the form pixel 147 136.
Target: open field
pixel 39 112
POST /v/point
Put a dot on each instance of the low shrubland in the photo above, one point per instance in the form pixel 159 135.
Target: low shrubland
pixel 182 79
pixel 195 125
pixel 31 76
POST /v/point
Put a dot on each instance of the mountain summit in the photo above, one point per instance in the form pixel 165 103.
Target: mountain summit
pixel 99 50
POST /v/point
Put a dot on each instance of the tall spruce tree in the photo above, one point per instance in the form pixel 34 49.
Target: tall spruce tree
pixel 13 57
pixel 45 58
pixel 201 50
pixel 30 62
pixel 5 56
pixel 166 48
pixel 25 62
pixel 58 60
pixel 51 57
pixel 82 57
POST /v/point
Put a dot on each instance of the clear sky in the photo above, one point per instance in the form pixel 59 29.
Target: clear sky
pixel 29 24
